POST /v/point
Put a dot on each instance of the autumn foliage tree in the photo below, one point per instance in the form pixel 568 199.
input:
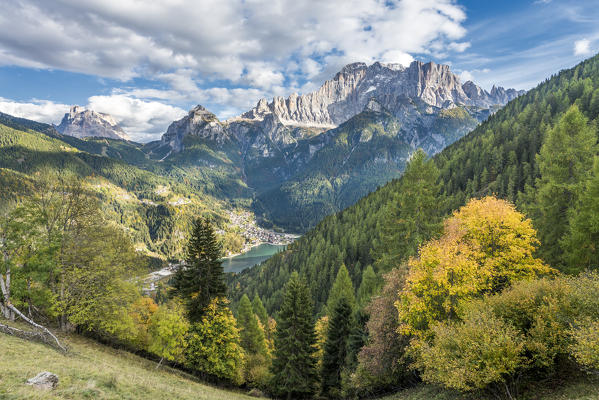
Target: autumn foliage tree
pixel 381 363
pixel 168 330
pixel 486 245
pixel 214 345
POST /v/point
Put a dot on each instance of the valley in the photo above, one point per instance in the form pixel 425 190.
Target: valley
pixel 339 200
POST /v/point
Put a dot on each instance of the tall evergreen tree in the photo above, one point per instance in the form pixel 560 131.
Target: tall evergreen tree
pixel 260 311
pixel 564 162
pixel 582 241
pixel 369 285
pixel 200 279
pixel 252 335
pixel 342 288
pixel 336 348
pixel 413 216
pixel 294 365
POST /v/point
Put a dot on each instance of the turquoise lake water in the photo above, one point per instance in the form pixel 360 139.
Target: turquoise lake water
pixel 253 257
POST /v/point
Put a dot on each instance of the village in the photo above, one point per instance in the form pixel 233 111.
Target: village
pixel 245 223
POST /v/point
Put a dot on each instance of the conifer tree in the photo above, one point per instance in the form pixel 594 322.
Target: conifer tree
pixel 252 334
pixel 413 215
pixel 259 310
pixel 368 286
pixel 342 288
pixel 200 279
pixel 564 161
pixel 294 364
pixel 582 241
pixel 336 348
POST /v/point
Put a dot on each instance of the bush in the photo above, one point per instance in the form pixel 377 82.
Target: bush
pixel 482 350
pixel 534 327
pixel 585 346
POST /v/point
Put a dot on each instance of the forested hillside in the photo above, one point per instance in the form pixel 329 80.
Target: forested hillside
pixel 499 157
pixel 153 202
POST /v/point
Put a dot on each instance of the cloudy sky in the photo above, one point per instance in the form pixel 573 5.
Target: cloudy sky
pixel 147 62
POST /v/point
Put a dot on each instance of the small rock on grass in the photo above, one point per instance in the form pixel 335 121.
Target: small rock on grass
pixel 44 380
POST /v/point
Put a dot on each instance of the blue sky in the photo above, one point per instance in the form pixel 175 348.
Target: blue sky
pixel 147 63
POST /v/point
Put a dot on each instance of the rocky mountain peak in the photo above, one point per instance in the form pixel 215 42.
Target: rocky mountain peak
pixel 351 68
pixel 198 122
pixel 349 92
pixel 79 122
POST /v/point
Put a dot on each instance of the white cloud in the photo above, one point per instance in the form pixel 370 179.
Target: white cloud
pixel 142 120
pixel 466 76
pixel 37 110
pixel 242 49
pixel 241 41
pixel 582 47
pixel 398 57
pixel 263 75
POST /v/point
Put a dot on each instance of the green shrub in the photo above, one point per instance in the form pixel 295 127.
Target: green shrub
pixel 585 346
pixel 531 329
pixel 482 350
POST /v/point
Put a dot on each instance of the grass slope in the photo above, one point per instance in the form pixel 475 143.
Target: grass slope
pixel 94 371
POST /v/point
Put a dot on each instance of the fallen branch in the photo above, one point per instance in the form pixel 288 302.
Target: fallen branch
pixel 7 329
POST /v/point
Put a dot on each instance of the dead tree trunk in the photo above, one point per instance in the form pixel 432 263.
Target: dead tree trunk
pixel 5 288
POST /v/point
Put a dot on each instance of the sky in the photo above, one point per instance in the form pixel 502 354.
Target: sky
pixel 148 62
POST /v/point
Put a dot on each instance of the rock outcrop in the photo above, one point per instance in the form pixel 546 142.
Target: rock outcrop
pixel 80 123
pixel 198 122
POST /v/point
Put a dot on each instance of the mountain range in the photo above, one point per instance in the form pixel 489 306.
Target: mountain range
pixel 291 161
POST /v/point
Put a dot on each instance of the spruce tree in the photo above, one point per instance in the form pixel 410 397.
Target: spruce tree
pixel 564 161
pixel 252 335
pixel 336 348
pixel 413 214
pixel 200 279
pixel 294 364
pixel 342 288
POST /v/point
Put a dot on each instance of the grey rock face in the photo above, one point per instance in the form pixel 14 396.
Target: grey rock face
pixel 84 123
pixel 198 122
pixel 415 95
pixel 44 381
pixel 349 91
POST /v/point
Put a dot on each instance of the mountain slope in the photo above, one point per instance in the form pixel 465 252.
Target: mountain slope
pixel 91 370
pixel 155 205
pixel 498 157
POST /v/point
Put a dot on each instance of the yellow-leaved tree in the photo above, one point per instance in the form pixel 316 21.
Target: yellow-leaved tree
pixel 486 245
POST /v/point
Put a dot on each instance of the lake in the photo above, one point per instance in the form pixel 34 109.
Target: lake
pixel 255 256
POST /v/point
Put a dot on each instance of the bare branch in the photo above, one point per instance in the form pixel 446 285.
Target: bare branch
pixel 38 326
